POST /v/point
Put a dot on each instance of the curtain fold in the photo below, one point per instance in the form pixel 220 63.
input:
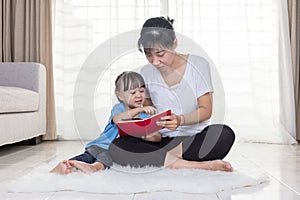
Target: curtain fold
pixel 6 30
pixel 286 87
pixel 294 26
pixel 26 36
pixel 1 29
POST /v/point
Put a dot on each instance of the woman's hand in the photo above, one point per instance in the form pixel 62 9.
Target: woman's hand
pixel 170 122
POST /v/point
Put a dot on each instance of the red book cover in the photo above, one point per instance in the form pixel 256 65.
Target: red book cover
pixel 141 127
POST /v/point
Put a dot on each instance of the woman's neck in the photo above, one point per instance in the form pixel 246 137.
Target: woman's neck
pixel 179 61
pixel 178 64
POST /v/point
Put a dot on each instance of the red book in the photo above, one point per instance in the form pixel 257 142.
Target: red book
pixel 141 127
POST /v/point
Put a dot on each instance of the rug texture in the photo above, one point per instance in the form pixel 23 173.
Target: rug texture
pixel 126 180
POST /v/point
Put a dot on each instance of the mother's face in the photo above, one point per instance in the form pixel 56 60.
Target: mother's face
pixel 161 58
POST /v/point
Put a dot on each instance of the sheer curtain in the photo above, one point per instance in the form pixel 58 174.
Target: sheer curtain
pixel 240 37
pixel 81 27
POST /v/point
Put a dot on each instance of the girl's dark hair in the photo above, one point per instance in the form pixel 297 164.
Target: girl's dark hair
pixel 130 80
pixel 156 32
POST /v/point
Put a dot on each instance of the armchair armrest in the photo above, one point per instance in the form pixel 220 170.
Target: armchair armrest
pixel 31 76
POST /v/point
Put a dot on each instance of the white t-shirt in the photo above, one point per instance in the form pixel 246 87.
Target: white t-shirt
pixel 182 97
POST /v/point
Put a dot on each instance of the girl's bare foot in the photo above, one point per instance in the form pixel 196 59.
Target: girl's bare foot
pixel 63 167
pixel 86 167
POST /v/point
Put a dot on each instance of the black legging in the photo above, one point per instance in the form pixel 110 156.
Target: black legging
pixel 213 142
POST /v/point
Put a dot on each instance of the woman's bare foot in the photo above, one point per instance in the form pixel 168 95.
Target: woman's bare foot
pixel 174 162
pixel 86 167
pixel 218 165
pixel 63 167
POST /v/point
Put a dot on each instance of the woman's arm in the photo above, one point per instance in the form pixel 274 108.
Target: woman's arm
pixel 148 102
pixel 203 112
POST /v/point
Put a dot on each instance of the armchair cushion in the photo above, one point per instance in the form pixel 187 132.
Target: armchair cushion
pixel 15 99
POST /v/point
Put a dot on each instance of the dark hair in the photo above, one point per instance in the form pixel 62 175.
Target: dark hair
pixel 156 32
pixel 130 80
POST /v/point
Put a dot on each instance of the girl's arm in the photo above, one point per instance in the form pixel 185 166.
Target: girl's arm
pixel 133 113
pixel 153 137
pixel 203 112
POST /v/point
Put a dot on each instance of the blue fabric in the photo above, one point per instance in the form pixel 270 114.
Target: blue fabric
pixel 111 131
pixel 85 157
pixel 144 115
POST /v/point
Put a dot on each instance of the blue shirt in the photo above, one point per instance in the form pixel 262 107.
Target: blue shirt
pixel 111 131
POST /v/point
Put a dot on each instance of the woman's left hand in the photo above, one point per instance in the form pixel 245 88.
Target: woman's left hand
pixel 170 122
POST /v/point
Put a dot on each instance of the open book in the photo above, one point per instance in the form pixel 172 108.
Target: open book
pixel 141 127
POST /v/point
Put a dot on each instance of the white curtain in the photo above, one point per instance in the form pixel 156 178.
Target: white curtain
pixel 240 37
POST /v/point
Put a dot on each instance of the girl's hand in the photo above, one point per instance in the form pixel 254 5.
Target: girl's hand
pixel 149 110
pixel 170 122
pixel 153 137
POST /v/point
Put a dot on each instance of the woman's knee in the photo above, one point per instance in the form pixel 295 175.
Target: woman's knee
pixel 224 133
pixel 228 133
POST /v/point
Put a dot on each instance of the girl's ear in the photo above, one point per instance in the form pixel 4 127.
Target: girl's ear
pixel 119 96
pixel 175 43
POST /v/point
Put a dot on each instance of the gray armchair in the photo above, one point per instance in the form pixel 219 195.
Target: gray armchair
pixel 22 102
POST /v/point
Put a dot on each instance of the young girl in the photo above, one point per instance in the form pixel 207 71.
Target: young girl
pixel 130 91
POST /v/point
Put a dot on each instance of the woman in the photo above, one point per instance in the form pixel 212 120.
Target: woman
pixel 181 83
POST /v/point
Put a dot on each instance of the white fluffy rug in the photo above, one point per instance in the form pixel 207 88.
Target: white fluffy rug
pixel 126 180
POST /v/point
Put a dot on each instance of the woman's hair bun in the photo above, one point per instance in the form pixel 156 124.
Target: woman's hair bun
pixel 171 21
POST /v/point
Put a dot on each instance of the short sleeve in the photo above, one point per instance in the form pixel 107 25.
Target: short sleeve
pixel 202 76
pixel 117 109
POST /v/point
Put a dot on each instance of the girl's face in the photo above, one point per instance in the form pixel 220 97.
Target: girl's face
pixel 133 98
pixel 161 58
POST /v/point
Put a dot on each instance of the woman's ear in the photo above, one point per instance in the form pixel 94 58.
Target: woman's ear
pixel 175 43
